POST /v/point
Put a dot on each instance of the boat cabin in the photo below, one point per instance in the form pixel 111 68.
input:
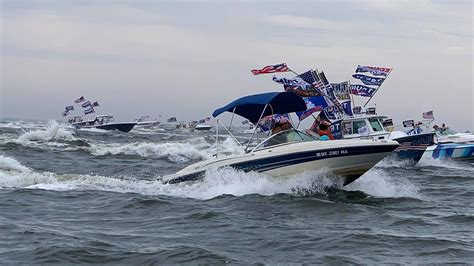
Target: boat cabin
pixel 364 126
pixel 103 119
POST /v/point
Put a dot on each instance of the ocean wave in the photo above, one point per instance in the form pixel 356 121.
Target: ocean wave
pixel 450 164
pixel 379 183
pixel 52 132
pixel 9 163
pixel 216 183
pixel 192 149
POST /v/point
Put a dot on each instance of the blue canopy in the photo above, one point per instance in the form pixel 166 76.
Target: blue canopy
pixel 251 107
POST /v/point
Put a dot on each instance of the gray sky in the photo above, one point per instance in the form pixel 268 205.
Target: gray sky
pixel 187 58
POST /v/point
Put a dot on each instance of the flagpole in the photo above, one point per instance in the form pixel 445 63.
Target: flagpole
pixel 378 87
pixel 352 96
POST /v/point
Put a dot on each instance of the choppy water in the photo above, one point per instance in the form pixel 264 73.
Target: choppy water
pixel 96 197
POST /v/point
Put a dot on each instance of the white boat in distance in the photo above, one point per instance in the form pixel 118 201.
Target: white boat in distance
pixel 146 122
pixel 202 127
pixel 292 151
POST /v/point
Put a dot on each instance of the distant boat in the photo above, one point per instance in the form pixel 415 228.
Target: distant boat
pixel 203 127
pixel 104 122
pixel 146 122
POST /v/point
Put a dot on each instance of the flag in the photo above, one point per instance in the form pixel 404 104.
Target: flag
pixel 408 123
pixel 267 122
pixel 90 110
pixel 333 113
pixel 341 91
pixel 79 100
pixel 271 69
pixel 86 104
pixel 362 90
pixel 202 121
pixel 172 119
pixel 387 123
pixel 370 111
pixel 69 108
pixel 313 104
pixel 368 80
pixel 65 113
pixel 428 115
pixel 328 89
pixel 95 104
pixel 376 71
pixel 294 82
pixel 347 107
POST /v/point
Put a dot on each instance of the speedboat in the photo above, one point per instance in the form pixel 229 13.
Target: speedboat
pixel 451 145
pixel 371 126
pixel 146 122
pixel 104 122
pixel 202 127
pixel 291 151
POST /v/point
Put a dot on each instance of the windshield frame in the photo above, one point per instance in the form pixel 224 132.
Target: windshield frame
pixel 305 137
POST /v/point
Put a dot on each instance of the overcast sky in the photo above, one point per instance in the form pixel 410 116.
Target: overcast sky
pixel 187 58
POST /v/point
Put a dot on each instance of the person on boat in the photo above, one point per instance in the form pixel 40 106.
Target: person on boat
pixel 325 131
pixel 417 128
pixel 281 125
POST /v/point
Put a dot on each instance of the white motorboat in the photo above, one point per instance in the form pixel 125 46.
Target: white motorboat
pixel 146 122
pixel 202 127
pixel 292 151
pixel 371 126
pixel 105 122
pixel 451 145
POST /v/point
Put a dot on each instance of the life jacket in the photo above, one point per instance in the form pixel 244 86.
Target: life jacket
pixel 326 133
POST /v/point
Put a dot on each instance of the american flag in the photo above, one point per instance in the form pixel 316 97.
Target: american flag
pixel 428 115
pixel 271 69
pixel 312 78
pixel 80 99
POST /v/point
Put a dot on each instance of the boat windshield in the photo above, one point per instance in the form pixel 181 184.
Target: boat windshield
pixel 288 136
pixel 375 124
pixel 446 132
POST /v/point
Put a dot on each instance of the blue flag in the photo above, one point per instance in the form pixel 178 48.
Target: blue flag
pixel 69 108
pixel 86 104
pixel 313 104
pixel 362 90
pixel 367 80
pixel 90 110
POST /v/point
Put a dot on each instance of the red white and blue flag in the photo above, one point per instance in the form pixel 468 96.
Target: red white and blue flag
pixel 80 99
pixel 271 69
pixel 376 71
pixel 428 115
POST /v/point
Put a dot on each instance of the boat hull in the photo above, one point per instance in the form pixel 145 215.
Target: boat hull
pixel 124 127
pixel 451 151
pixel 412 147
pixel 344 160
